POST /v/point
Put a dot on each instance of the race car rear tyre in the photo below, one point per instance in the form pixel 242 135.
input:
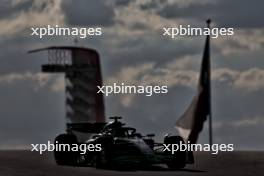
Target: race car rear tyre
pixel 103 158
pixel 100 161
pixel 69 158
pixel 179 157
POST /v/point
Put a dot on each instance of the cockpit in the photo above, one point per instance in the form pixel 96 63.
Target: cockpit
pixel 117 129
pixel 123 132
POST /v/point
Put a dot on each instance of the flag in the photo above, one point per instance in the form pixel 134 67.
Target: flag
pixel 190 124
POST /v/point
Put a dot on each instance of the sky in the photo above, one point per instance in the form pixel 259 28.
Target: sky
pixel 133 50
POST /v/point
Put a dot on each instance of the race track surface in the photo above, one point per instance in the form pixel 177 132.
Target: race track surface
pixel 26 163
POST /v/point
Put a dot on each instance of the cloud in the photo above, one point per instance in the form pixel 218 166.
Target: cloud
pixel 250 80
pixel 29 106
pixel 131 74
pixel 248 122
pixel 123 2
pixel 58 85
pixel 222 12
pixel 37 80
pixel 243 132
pixel 88 13
pixel 243 39
pixel 9 8
pixel 148 74
pixel 240 123
pixel 180 73
pixel 39 12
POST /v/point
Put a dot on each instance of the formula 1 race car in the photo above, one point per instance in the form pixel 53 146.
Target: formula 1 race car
pixel 121 146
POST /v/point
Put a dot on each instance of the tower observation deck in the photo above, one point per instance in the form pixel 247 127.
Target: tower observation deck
pixel 81 67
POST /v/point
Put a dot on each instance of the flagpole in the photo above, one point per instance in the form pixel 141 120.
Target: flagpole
pixel 210 107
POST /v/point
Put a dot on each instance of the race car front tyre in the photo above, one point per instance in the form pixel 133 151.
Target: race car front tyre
pixel 179 158
pixel 69 158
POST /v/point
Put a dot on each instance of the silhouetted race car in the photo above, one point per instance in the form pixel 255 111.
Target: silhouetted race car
pixel 121 146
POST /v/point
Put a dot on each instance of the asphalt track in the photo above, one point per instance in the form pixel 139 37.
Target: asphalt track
pixel 26 163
